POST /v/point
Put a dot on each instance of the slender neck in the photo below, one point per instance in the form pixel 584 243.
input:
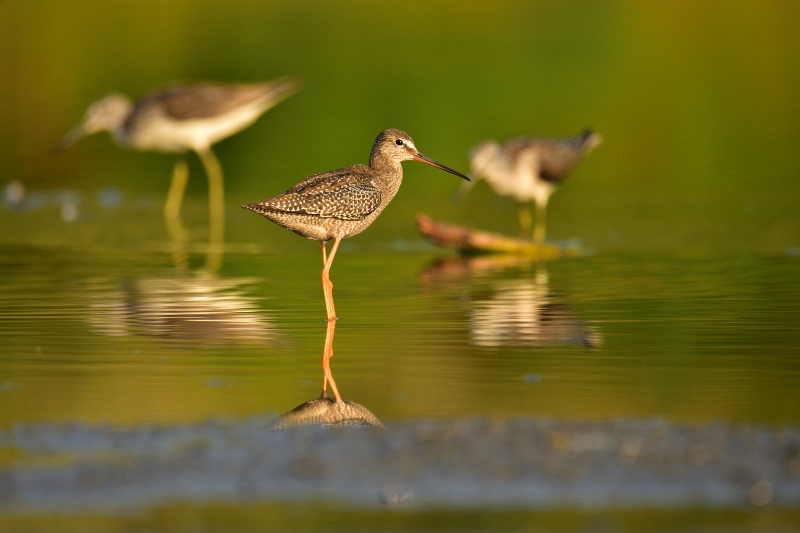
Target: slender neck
pixel 115 124
pixel 389 171
pixel 119 134
pixel 387 167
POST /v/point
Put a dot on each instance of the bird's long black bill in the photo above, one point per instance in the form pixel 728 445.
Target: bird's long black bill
pixel 428 161
pixel 69 139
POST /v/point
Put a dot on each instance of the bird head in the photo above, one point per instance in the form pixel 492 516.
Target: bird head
pixel 483 156
pixel 107 114
pixel 396 145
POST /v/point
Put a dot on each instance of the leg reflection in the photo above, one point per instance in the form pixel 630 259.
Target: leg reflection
pixel 178 236
pixel 326 363
pixel 179 242
pixel 539 228
pixel 326 411
pixel 216 209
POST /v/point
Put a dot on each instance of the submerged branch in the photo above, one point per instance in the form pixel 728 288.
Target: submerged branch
pixel 470 240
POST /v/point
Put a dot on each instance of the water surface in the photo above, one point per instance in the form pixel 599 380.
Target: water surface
pixel 125 337
pixel 684 309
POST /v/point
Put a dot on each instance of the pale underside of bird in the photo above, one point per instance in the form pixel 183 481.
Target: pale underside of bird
pixel 203 310
pixel 523 312
pixel 183 118
pixel 341 203
pixel 528 170
pixel 514 312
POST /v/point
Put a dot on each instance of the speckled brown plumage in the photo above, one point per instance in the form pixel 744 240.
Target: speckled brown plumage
pixel 344 202
pixel 346 194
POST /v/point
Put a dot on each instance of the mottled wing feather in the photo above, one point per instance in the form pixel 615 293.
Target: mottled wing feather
pixel 555 159
pixel 201 101
pixel 346 194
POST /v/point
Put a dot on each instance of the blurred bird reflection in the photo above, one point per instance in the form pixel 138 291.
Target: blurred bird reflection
pixel 327 412
pixel 517 312
pixel 522 312
pixel 198 307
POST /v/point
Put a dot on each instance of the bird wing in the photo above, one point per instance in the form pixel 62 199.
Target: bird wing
pixel 188 102
pixel 557 160
pixel 346 194
pixel 552 160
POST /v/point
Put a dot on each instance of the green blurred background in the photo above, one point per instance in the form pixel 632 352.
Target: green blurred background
pixel 697 101
pixel 691 206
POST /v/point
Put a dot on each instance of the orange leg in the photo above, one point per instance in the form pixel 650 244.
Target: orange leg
pixel 327 289
pixel 327 286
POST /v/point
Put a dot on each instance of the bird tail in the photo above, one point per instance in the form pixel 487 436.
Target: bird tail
pixel 279 90
pixel 589 139
pixel 256 208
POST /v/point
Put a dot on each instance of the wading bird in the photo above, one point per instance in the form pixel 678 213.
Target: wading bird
pixel 183 118
pixel 528 169
pixel 341 203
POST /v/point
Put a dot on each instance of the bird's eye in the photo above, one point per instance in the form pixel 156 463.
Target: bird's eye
pixel 398 142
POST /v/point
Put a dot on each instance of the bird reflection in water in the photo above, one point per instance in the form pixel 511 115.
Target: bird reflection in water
pixel 189 308
pixel 187 305
pixel 326 411
pixel 518 312
pixel 522 312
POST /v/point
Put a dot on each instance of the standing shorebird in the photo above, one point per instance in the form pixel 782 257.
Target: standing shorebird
pixel 183 118
pixel 341 203
pixel 529 169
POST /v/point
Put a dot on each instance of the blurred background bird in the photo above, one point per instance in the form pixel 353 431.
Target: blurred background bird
pixel 528 169
pixel 181 118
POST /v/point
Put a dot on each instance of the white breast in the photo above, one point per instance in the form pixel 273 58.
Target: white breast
pixel 164 134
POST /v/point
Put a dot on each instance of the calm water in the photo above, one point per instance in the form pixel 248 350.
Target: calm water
pixel 123 336
pixel 684 307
